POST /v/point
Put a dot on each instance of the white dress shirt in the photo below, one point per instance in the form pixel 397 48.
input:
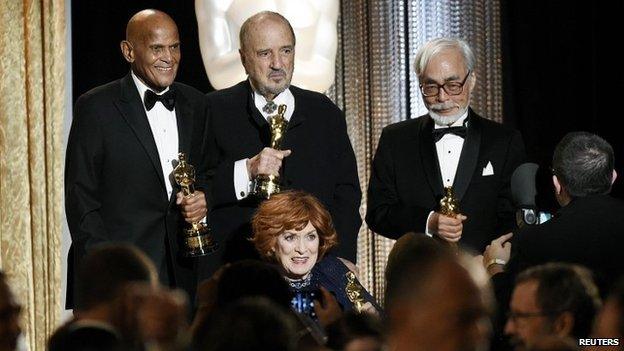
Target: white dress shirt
pixel 241 176
pixel 164 127
pixel 449 149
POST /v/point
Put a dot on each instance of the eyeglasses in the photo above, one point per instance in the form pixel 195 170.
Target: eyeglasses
pixel 515 316
pixel 451 88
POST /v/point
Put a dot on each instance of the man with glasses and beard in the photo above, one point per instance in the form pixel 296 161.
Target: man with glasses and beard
pixel 555 299
pixel 451 146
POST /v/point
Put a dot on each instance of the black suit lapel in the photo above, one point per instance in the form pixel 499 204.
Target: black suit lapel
pixel 298 116
pixel 256 117
pixel 468 157
pixel 131 107
pixel 429 157
pixel 184 118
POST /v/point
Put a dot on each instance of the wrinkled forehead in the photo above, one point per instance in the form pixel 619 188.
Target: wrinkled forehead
pixel 269 32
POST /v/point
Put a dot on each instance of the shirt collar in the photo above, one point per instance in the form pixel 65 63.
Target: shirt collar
pixel 142 88
pixel 284 98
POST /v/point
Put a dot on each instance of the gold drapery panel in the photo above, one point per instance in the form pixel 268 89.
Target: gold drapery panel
pixel 376 85
pixel 32 67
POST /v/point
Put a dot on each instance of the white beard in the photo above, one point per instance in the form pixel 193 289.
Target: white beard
pixel 446 120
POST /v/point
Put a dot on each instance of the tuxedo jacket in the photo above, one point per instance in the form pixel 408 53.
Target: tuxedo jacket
pixel 406 183
pixel 322 163
pixel 587 231
pixel 114 184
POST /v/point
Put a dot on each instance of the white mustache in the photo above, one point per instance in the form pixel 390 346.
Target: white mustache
pixel 443 106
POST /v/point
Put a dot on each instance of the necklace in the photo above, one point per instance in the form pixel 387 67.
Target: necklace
pixel 300 283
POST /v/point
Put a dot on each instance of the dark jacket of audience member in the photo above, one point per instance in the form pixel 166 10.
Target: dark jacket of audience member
pixel 588 228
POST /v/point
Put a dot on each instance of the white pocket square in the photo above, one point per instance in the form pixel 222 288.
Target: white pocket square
pixel 488 170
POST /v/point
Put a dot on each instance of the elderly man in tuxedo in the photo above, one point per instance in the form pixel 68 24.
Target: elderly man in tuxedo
pixel 124 139
pixel 451 146
pixel 316 155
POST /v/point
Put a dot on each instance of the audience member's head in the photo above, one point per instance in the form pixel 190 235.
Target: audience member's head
pixel 583 164
pixel 355 332
pixel 254 323
pixel 249 278
pixel 551 299
pixel 293 229
pixel 10 311
pixel 432 302
pixel 610 320
pixel 402 255
pixel 107 270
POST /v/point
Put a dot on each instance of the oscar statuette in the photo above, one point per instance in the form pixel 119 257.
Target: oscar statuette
pixel 355 292
pixel 449 206
pixel 197 238
pixel 263 185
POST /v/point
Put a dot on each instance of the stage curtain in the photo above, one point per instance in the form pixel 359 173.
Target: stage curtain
pixel 32 68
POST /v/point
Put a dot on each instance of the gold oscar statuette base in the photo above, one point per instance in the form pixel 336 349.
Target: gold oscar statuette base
pixel 198 241
pixel 265 186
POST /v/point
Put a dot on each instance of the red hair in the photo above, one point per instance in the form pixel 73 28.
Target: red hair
pixel 291 210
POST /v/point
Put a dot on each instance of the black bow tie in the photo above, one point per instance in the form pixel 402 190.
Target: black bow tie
pixel 167 99
pixel 438 133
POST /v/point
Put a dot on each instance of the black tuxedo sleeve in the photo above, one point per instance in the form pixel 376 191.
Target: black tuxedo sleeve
pixel 505 208
pixel 386 213
pixel 347 194
pixel 83 165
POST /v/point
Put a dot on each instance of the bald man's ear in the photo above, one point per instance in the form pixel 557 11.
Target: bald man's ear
pixel 243 59
pixel 127 50
pixel 614 177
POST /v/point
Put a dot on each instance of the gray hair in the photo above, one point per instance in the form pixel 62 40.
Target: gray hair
pixel 583 163
pixel 435 46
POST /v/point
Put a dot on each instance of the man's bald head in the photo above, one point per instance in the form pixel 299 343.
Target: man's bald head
pixel 152 47
pixel 144 21
pixel 254 22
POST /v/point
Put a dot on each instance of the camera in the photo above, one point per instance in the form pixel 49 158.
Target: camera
pixel 303 302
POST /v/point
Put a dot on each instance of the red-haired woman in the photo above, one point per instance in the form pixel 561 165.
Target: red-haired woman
pixel 294 230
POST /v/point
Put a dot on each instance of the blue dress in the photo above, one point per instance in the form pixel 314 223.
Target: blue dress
pixel 334 276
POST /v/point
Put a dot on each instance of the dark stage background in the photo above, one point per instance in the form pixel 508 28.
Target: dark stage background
pixel 562 73
pixel 560 66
